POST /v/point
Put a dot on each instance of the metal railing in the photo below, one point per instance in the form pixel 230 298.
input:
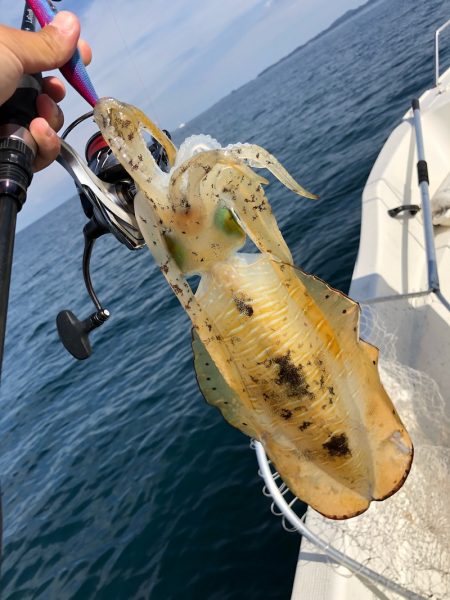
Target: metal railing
pixel 436 52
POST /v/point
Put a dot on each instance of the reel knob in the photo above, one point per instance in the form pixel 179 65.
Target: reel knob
pixel 74 334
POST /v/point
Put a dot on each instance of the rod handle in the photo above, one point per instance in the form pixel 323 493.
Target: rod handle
pixel 20 109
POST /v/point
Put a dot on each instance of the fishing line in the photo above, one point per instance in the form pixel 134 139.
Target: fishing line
pixel 130 55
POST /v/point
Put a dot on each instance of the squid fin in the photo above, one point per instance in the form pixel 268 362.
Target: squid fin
pixel 338 308
pixel 216 390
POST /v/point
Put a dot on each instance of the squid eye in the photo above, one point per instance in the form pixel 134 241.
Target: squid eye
pixel 226 222
pixel 176 250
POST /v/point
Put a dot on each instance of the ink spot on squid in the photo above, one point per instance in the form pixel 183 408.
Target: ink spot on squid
pixel 243 307
pixel 305 425
pixel 286 414
pixel 260 206
pixel 337 445
pixel 292 376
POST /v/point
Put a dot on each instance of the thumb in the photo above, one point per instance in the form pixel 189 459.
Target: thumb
pixel 49 48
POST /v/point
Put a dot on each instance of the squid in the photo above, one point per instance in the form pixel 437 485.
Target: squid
pixel 276 350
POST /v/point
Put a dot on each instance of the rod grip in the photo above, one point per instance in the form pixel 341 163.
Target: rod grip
pixel 20 109
pixel 422 171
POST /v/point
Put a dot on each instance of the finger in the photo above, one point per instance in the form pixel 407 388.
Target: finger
pixel 53 87
pixel 49 48
pixel 50 111
pixel 85 51
pixel 48 143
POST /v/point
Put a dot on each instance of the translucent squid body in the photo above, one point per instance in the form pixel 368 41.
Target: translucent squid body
pixel 275 349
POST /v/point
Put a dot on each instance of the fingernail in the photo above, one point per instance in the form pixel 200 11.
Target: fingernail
pixel 65 22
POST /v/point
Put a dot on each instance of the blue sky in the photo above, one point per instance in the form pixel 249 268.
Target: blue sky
pixel 174 59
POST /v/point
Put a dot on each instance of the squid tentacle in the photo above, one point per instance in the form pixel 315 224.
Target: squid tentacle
pixel 258 157
pixel 121 125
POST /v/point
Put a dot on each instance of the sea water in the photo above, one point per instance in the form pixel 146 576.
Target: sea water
pixel 119 481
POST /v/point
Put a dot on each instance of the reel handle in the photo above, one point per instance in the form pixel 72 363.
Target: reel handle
pixel 74 334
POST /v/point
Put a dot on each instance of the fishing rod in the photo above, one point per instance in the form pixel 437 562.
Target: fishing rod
pixel 105 190
pixel 17 153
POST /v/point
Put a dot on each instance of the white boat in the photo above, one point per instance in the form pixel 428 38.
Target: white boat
pixel 399 548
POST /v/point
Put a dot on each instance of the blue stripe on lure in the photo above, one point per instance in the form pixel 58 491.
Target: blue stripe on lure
pixel 74 70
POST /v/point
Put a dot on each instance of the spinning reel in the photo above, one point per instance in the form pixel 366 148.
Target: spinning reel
pixel 106 193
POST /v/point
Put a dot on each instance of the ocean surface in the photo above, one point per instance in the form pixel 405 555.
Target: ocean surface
pixel 119 481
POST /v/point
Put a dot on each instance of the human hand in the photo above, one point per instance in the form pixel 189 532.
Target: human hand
pixel 31 52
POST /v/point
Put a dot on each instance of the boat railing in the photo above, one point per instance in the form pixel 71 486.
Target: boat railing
pixel 436 54
pixel 430 246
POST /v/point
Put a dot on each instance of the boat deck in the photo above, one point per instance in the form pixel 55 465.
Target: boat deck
pixel 392 263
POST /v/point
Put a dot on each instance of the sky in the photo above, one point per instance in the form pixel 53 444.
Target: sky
pixel 173 60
